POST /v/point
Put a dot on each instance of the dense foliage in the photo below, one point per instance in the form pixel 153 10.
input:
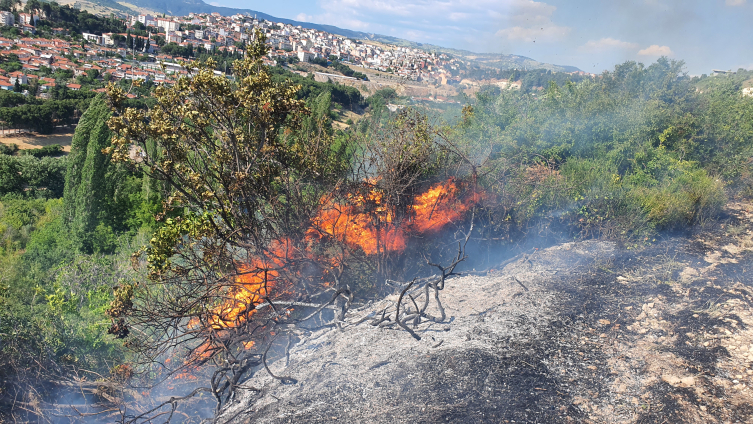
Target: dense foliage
pixel 635 151
pixel 74 20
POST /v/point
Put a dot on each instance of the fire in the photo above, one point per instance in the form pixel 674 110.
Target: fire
pixel 354 226
pixel 439 206
pixel 251 286
pixel 375 230
pixel 362 221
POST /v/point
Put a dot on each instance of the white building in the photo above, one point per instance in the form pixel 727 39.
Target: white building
pixel 94 38
pixel 167 24
pixel 27 19
pixel 7 19
pixel 107 39
pixel 306 56
pixel 145 18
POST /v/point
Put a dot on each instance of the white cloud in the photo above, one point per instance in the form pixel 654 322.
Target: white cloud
pixel 447 20
pixel 655 50
pixel 528 13
pixel 532 34
pixel 302 17
pixel 735 2
pixel 606 44
pixel 458 16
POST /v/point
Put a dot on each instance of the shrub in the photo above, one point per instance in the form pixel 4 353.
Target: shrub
pixel 8 149
pixel 51 150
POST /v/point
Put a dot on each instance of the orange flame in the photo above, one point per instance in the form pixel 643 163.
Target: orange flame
pixel 363 222
pixel 376 229
pixel 352 225
pixel 439 206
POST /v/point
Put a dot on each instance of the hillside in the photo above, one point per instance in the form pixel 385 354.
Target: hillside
pixel 184 7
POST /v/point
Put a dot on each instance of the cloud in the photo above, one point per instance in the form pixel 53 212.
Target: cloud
pixel 606 44
pixel 528 13
pixel 655 50
pixel 532 21
pixel 532 34
pixel 302 17
pixel 447 21
pixel 735 2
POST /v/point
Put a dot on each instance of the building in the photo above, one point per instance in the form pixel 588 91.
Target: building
pixel 145 18
pixel 27 19
pixel 107 39
pixel 18 76
pixel 7 19
pixel 167 24
pixel 93 38
pixel 174 38
pixel 305 56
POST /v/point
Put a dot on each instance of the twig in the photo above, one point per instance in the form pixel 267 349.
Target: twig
pixel 283 380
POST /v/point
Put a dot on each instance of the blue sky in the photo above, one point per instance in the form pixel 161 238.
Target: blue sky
pixel 593 35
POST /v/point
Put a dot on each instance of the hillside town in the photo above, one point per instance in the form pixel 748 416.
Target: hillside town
pixel 151 55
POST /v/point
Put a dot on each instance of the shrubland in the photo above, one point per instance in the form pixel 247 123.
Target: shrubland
pixel 173 222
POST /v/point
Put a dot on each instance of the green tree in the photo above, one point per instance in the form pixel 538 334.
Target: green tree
pixel 86 194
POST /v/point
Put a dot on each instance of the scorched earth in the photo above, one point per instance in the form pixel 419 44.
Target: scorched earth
pixel 586 331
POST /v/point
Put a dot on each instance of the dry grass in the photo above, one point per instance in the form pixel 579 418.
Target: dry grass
pixel 61 136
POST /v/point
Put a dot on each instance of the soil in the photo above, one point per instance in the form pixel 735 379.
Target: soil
pixel 586 331
pixel 30 140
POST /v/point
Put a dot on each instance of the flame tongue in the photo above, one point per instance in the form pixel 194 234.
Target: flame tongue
pixel 376 229
pixel 438 207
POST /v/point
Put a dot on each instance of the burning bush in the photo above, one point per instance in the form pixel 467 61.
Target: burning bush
pixel 268 217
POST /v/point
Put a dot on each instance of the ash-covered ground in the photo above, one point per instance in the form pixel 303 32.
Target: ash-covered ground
pixel 579 332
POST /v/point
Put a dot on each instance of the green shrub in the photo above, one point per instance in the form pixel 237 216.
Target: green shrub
pixel 662 193
pixel 51 150
pixel 8 149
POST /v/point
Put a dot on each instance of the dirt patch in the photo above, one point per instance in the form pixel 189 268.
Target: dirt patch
pixel 578 332
pixel 61 136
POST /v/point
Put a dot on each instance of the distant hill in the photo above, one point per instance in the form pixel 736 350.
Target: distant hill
pixel 184 7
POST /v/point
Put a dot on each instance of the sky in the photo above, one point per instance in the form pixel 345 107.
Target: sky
pixel 593 35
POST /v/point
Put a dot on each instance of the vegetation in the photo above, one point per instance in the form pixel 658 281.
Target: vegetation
pixel 229 190
pixel 339 67
pixel 74 20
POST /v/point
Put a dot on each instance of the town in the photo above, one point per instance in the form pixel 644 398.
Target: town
pixel 155 48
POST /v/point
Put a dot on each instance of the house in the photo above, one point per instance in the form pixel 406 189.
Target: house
pixel 27 19
pixel 107 39
pixel 74 87
pixel 748 92
pixel 145 18
pixel 168 25
pixel 18 76
pixel 174 38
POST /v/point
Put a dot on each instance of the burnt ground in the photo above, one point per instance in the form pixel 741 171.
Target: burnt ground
pixel 579 332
